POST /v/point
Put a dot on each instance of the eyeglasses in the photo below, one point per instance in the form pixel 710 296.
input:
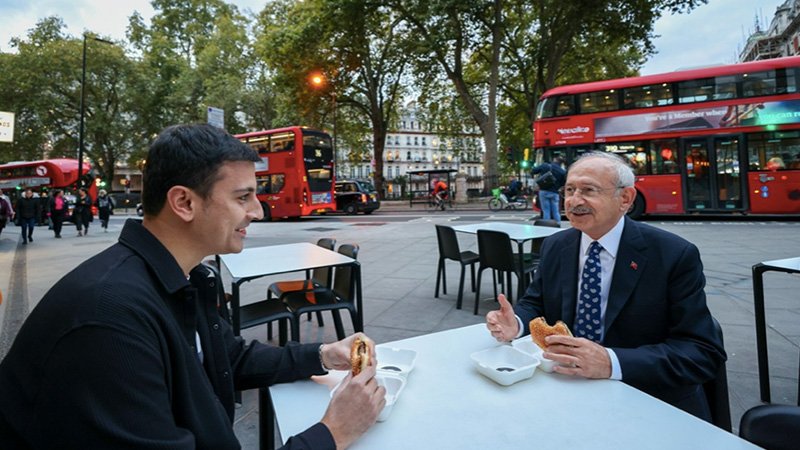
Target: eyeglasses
pixel 588 191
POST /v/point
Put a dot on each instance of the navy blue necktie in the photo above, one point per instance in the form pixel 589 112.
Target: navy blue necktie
pixel 588 324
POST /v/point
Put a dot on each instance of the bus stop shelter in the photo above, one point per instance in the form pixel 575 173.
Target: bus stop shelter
pixel 424 195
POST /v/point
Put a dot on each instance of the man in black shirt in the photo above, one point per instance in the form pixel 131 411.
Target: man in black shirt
pixel 128 350
pixel 29 210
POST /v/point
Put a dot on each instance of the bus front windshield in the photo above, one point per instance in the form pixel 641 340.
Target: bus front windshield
pixel 318 158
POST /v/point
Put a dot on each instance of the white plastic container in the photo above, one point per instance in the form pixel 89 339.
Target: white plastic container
pixel 393 384
pixel 398 361
pixel 526 344
pixel 505 365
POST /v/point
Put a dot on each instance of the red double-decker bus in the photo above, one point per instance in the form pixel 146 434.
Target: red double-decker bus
pixel 295 177
pixel 45 175
pixel 722 139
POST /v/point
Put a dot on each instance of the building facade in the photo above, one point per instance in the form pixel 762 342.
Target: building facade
pixel 415 146
pixel 782 38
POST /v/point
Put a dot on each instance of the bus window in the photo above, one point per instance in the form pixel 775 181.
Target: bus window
pixel 262 185
pixel 774 151
pixel 647 96
pixel 546 108
pixel 277 183
pixel 718 88
pixel 318 154
pixel 565 105
pixel 633 153
pixel 282 141
pixel 759 83
pixel 598 101
pixel 663 157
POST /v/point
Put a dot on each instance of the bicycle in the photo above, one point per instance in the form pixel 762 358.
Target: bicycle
pixel 500 201
pixel 439 201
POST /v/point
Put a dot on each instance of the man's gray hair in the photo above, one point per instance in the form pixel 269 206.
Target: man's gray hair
pixel 625 176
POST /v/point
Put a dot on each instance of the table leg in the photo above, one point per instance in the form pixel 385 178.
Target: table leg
pixel 359 297
pixel 521 281
pixel 266 420
pixel 235 308
pixel 761 331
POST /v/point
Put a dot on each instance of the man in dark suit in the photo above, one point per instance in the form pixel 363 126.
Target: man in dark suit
pixel 631 294
pixel 129 350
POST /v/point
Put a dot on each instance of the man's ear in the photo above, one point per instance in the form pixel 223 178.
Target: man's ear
pixel 182 201
pixel 628 195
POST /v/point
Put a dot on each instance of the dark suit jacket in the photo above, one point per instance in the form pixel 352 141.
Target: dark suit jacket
pixel 657 321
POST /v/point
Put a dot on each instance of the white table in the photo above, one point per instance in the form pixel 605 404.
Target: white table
pixel 519 233
pixel 447 404
pixel 257 262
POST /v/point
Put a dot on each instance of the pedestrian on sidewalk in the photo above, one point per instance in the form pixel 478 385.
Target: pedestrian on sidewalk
pixel 6 211
pixel 58 211
pixel 82 213
pixel 29 209
pixel 44 210
pixel 105 207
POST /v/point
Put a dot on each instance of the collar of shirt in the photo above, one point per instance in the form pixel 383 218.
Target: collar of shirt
pixel 163 265
pixel 609 241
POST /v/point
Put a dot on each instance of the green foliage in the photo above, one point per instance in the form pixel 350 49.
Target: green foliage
pixel 465 62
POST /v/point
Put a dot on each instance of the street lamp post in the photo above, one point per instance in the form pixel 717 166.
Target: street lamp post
pixel 318 81
pixel 83 106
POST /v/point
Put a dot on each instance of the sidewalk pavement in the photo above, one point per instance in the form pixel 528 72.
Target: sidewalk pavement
pixel 399 256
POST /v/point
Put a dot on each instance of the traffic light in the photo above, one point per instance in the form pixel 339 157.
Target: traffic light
pixel 524 164
pixel 509 154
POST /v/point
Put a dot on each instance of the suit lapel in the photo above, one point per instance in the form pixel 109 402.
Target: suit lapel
pixel 569 277
pixel 630 264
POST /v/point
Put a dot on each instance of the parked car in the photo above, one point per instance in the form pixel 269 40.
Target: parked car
pixel 353 196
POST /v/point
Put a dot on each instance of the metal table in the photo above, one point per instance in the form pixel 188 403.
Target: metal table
pixel 789 265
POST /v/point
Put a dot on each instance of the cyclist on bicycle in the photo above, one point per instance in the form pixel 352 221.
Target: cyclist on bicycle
pixel 439 192
pixel 513 189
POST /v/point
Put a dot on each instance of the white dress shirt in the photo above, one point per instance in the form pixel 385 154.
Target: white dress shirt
pixel 610 243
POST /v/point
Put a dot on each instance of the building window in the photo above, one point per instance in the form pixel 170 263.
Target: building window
pixel 408 157
pixel 403 125
pixel 416 140
pixel 423 140
pixel 408 140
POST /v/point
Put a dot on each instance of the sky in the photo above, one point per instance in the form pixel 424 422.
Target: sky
pixel 711 34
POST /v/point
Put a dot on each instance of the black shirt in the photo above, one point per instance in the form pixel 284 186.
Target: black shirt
pixel 107 359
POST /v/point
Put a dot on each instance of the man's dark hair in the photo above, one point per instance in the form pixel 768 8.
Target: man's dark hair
pixel 190 156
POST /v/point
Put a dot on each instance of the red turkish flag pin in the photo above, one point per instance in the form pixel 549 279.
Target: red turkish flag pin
pixel 634 266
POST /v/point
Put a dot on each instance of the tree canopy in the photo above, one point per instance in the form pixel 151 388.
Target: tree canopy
pixel 468 65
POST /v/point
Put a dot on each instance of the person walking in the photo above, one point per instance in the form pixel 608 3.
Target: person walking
pixel 29 210
pixel 105 207
pixel 82 212
pixel 550 177
pixel 58 211
pixel 6 211
pixel 44 215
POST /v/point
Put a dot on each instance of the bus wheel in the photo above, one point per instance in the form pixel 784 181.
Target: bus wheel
pixel 267 212
pixel 637 209
pixel 351 209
